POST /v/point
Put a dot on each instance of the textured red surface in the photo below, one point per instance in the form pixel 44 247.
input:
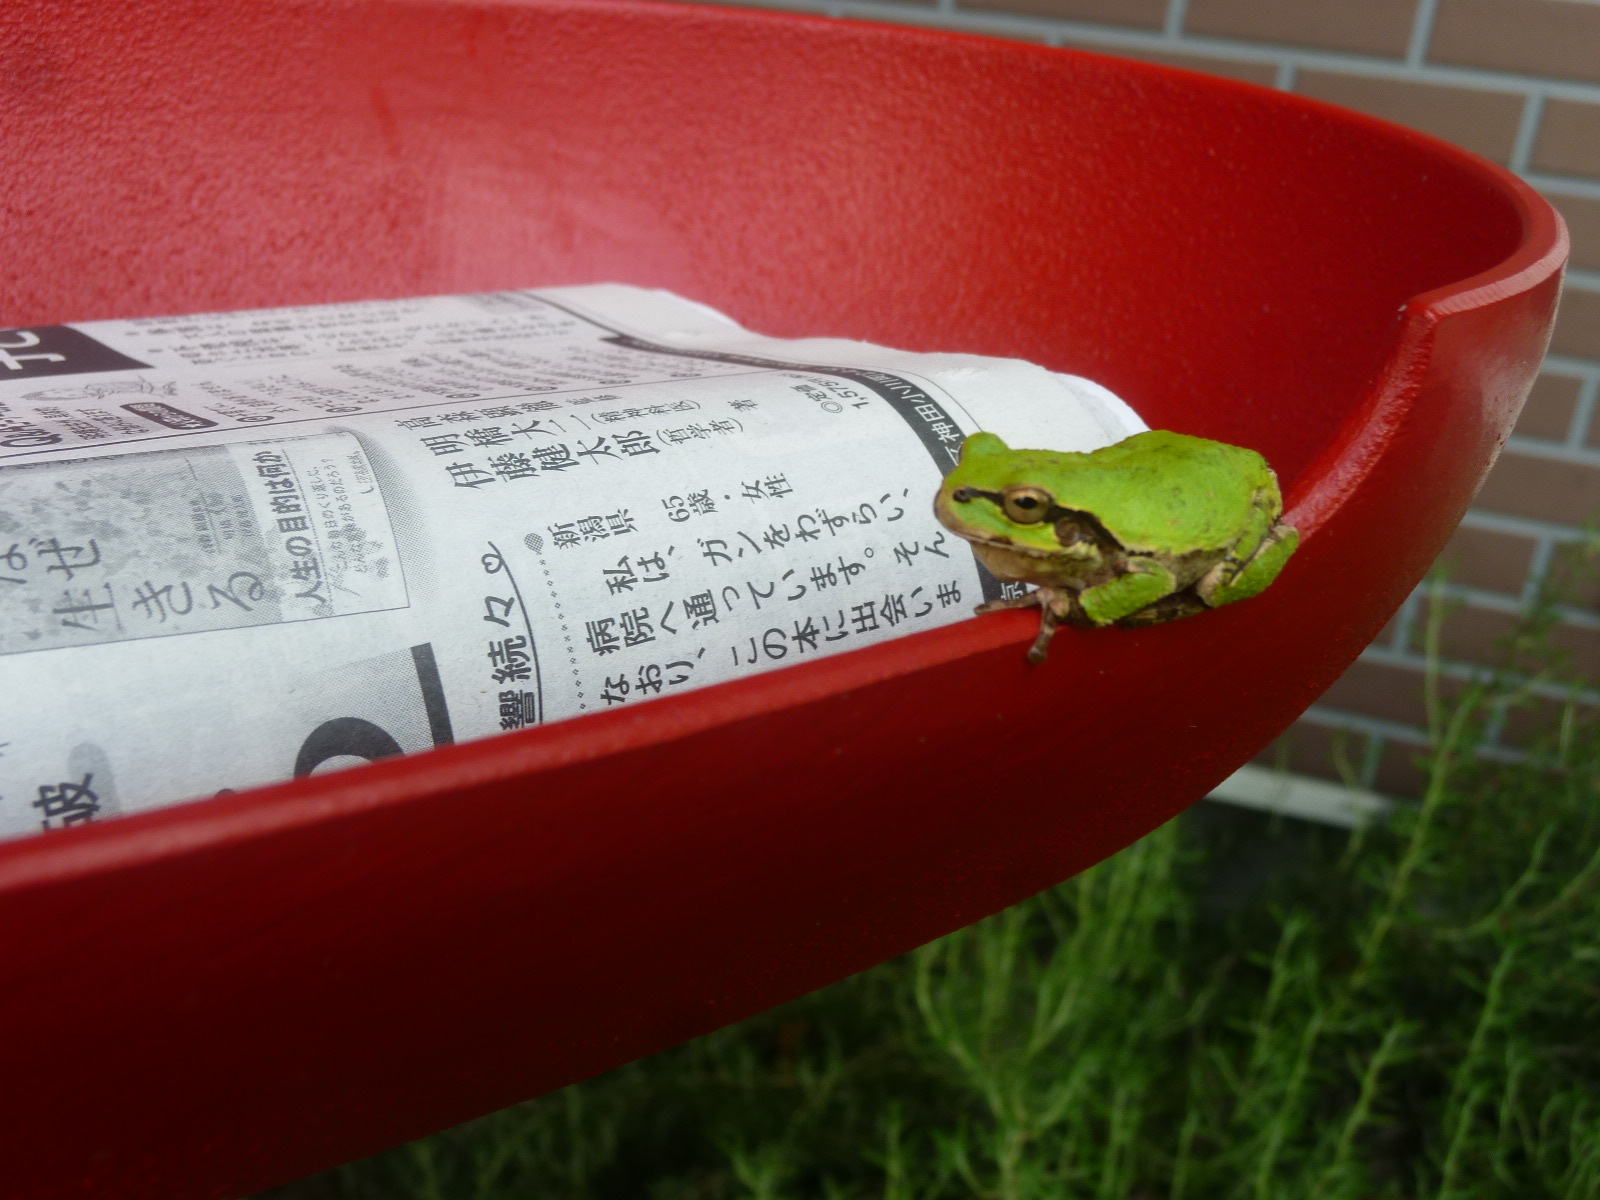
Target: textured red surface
pixel 206 1000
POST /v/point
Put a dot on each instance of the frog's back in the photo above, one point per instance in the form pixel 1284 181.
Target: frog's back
pixel 1163 491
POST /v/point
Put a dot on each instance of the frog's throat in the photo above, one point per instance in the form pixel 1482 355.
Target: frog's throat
pixel 1007 560
pixel 1006 544
pixel 1054 554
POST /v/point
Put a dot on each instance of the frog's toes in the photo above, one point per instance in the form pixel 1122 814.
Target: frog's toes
pixel 1048 620
pixel 1169 608
pixel 1036 598
pixel 1055 605
pixel 1229 581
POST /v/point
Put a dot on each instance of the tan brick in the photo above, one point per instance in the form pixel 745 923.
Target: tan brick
pixel 1542 488
pixel 1378 690
pixel 1559 38
pixel 1575 575
pixel 1481 635
pixel 1144 14
pixel 1316 750
pixel 1401 772
pixel 1582 645
pixel 1551 403
pixel 1577 329
pixel 1539 719
pixel 977 25
pixel 1389 636
pixel 1569 139
pixel 1593 435
pixel 1264 74
pixel 1482 558
pixel 1484 122
pixel 1470 634
pixel 1582 214
pixel 1361 26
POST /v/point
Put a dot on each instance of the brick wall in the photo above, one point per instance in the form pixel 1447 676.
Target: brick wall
pixel 1517 81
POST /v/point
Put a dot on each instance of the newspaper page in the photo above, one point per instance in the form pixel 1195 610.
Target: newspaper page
pixel 242 547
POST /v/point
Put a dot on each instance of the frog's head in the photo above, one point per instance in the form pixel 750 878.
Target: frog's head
pixel 1000 498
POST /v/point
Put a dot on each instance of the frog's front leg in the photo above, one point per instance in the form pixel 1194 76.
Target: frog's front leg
pixel 1145 582
pixel 1055 606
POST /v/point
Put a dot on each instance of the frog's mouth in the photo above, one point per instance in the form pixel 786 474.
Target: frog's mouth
pixel 1077 534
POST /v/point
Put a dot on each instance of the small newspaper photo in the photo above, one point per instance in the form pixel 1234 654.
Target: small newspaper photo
pixel 238 548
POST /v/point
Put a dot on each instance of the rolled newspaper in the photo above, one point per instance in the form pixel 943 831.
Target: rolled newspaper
pixel 241 547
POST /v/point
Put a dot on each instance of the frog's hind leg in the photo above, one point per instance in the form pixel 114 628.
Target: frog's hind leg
pixel 1233 579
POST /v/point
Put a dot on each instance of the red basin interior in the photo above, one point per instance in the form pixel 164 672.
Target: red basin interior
pixel 1232 262
pixel 248 989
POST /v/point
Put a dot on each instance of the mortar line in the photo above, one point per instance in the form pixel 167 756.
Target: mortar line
pixel 1398 731
pixel 1090 33
pixel 1494 522
pixel 1538 568
pixel 1403 630
pixel 1462 671
pixel 1456 670
pixel 1339 718
pixel 1582 456
pixel 1578 618
pixel 1569 365
pixel 1583 411
pixel 1342 746
pixel 1371 760
pixel 1496 724
pixel 1177 10
pixel 1286 75
pixel 1421 33
pixel 1527 130
pixel 1513 606
pixel 1564 185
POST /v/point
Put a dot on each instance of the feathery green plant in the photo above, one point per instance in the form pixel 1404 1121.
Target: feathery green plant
pixel 1236 1008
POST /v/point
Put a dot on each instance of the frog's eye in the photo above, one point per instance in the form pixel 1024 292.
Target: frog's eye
pixel 1026 505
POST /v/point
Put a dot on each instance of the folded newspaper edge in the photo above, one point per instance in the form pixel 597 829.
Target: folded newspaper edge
pixel 237 548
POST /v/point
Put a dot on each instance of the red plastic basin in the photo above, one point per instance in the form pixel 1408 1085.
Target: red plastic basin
pixel 222 995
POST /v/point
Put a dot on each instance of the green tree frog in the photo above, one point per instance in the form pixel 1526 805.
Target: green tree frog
pixel 1157 526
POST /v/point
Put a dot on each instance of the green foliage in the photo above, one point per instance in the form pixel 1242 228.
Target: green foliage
pixel 1236 1008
